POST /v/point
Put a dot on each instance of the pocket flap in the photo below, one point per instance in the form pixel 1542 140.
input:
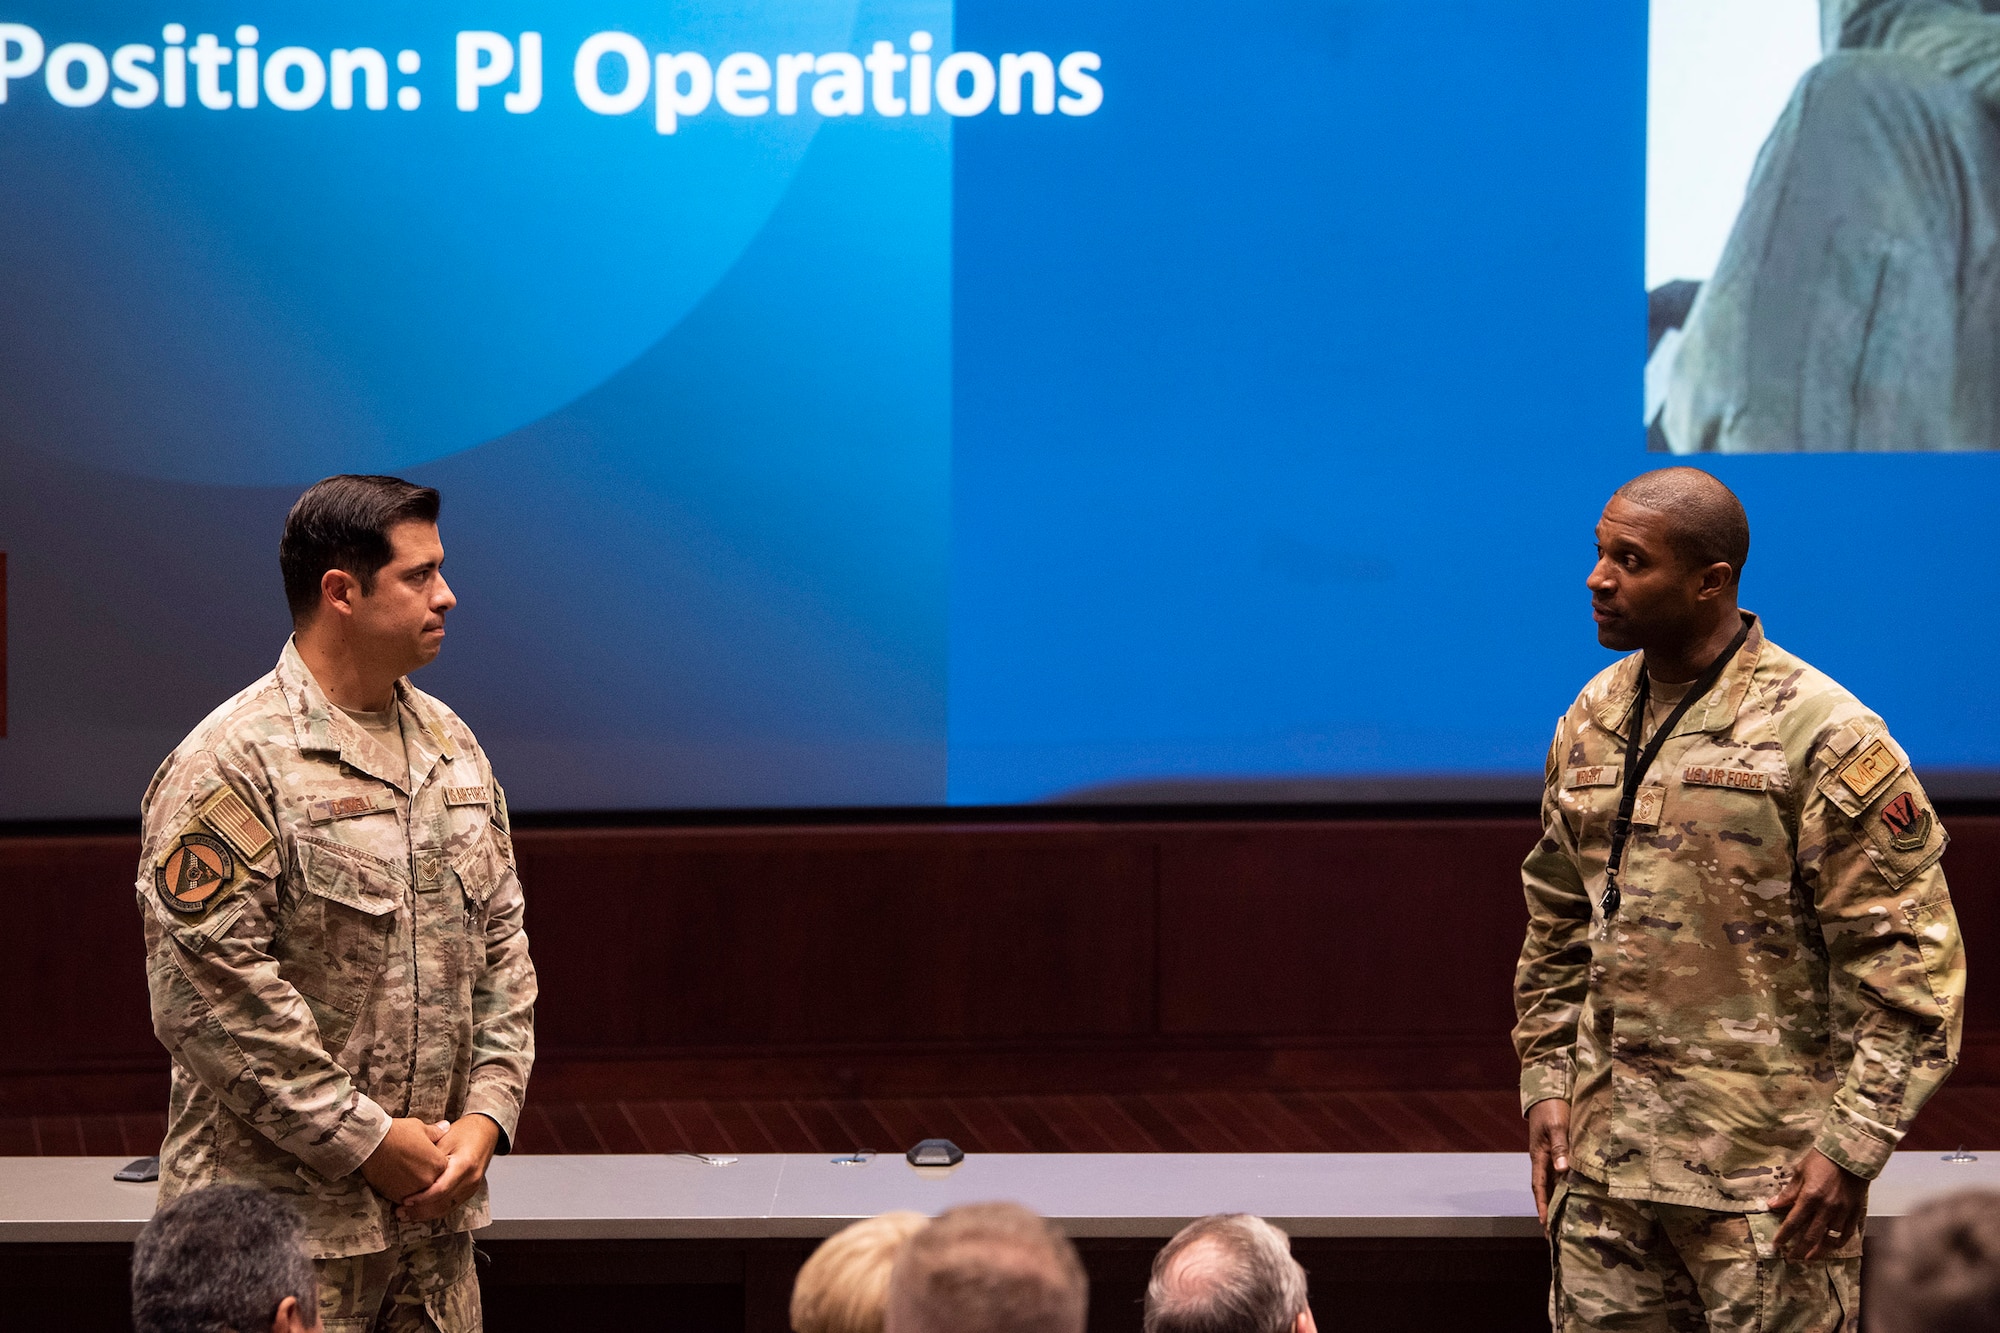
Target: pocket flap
pixel 342 876
pixel 479 868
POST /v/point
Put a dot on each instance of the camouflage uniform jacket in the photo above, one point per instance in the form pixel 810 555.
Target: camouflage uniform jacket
pixel 333 940
pixel 1785 971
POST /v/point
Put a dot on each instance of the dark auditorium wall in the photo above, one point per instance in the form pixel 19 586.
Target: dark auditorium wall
pixel 886 959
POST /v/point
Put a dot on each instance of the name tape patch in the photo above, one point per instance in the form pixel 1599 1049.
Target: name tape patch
pixel 1597 775
pixel 465 796
pixel 1870 769
pixel 1739 778
pixel 347 807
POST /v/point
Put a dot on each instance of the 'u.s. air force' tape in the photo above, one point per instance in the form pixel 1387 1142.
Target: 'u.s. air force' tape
pixel 1742 779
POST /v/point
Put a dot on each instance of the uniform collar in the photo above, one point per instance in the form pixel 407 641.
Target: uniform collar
pixel 1715 712
pixel 320 726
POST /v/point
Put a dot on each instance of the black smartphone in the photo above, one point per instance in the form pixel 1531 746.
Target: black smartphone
pixel 139 1172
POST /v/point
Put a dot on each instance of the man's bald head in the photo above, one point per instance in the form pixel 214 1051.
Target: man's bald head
pixel 1706 522
pixel 1227 1273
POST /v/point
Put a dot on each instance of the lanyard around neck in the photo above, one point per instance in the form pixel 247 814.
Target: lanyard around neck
pixel 1638 761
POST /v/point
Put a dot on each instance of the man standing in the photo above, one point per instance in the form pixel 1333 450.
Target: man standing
pixel 333 926
pixel 1742 974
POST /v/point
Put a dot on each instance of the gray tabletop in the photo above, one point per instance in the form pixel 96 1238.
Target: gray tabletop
pixel 1413 1195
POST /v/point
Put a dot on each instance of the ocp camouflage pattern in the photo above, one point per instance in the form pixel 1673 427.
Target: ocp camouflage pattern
pixel 1785 971
pixel 1631 1263
pixel 353 967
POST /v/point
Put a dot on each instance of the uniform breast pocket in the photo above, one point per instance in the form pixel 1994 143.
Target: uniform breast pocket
pixel 336 946
pixel 1589 799
pixel 479 869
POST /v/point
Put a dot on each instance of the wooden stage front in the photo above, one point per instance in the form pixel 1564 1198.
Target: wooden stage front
pixel 1062 982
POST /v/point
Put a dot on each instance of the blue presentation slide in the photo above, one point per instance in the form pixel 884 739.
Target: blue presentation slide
pixel 849 403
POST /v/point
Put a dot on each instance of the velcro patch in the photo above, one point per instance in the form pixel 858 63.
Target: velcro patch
pixel 1647 805
pixel 191 876
pixel 1742 779
pixel 1597 775
pixel 239 826
pixel 465 796
pixel 1909 823
pixel 347 807
pixel 1870 769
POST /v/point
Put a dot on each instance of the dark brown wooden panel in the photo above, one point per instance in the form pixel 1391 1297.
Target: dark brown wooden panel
pixel 1357 929
pixel 73 991
pixel 931 960
pixel 673 939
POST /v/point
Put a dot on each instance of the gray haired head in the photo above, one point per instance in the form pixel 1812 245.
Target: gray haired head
pixel 221 1260
pixel 1939 1271
pixel 1227 1273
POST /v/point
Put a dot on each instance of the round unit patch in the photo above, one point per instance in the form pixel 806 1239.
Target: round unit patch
pixel 193 873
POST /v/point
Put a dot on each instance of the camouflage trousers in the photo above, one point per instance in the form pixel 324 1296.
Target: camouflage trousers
pixel 428 1287
pixel 1628 1264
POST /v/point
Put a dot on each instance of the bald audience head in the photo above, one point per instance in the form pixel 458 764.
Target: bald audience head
pixel 988 1268
pixel 1939 1272
pixel 1705 521
pixel 1229 1273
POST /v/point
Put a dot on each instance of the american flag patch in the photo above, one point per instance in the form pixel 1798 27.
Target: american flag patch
pixel 227 814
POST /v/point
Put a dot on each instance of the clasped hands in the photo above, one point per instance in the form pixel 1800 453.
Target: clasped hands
pixel 1821 1203
pixel 430 1168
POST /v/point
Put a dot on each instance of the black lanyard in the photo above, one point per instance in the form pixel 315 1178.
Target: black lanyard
pixel 1637 761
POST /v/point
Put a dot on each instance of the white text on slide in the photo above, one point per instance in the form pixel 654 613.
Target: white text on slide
pixel 612 73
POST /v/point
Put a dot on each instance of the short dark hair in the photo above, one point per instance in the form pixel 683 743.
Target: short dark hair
pixel 343 523
pixel 1226 1273
pixel 1940 1270
pixel 1706 520
pixel 221 1260
pixel 989 1268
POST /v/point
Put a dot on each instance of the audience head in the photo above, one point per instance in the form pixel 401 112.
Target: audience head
pixel 988 1268
pixel 228 1259
pixel 1228 1273
pixel 1940 1270
pixel 844 1287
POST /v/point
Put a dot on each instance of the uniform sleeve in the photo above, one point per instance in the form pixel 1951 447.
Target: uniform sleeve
pixel 503 995
pixel 1869 844
pixel 219 1006
pixel 1554 970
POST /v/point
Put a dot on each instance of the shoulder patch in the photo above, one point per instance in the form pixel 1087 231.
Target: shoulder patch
pixel 194 873
pixel 230 816
pixel 1909 823
pixel 1869 769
